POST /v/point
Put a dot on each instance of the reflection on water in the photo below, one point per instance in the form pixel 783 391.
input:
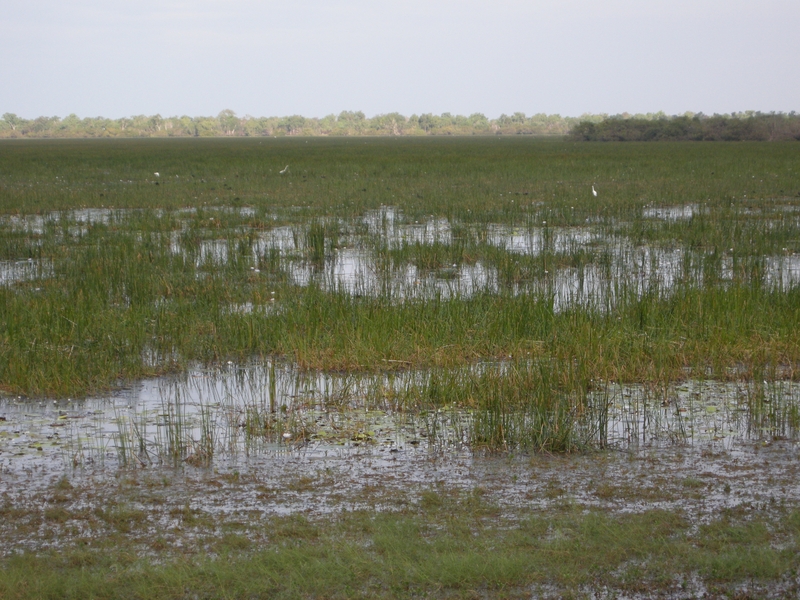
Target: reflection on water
pixel 535 240
pixel 228 414
pixel 13 271
pixel 354 271
pixel 355 257
pixel 700 412
pixel 671 213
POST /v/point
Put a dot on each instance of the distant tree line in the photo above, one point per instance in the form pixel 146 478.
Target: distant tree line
pixel 227 123
pixel 641 127
pixel 736 127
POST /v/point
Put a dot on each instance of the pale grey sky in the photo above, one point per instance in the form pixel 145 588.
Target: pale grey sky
pixel 117 58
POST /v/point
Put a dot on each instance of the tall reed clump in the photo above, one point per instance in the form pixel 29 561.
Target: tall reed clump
pixel 525 407
pixel 529 405
pixel 315 243
pixel 770 409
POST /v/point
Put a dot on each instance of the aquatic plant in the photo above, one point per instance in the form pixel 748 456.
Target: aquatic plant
pixel 391 255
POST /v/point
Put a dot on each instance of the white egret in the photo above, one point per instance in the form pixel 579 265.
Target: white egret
pixel 286 168
pixel 594 191
pixel 156 174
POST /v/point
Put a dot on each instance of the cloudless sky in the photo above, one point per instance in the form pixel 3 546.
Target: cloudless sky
pixel 116 58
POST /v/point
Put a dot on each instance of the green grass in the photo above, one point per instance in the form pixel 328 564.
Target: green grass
pixel 445 547
pixel 428 176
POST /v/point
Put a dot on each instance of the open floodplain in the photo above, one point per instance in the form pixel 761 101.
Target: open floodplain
pixel 399 368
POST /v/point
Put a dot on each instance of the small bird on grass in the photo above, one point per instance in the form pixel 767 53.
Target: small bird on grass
pixel 594 191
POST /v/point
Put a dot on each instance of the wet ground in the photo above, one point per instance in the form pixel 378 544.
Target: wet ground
pixel 176 462
pixel 692 448
pixel 191 510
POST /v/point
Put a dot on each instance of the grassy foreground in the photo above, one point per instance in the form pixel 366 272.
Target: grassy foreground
pixel 448 544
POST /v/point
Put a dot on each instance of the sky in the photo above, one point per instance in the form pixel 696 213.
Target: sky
pixel 117 58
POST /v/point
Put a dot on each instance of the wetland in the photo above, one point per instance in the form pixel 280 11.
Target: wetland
pixel 363 375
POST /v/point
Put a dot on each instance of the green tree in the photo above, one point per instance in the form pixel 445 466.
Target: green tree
pixel 351 123
pixel 327 124
pixel 70 125
pixel 292 125
pixel 427 122
pixel 13 121
pixel 207 126
pixel 155 123
pixel 228 121
pixel 44 126
pixel 478 120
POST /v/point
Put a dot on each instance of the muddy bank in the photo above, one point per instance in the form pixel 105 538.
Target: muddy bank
pixel 188 507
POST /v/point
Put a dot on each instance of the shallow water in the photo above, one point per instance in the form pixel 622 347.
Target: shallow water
pixel 345 433
pixel 13 271
pixel 696 481
pixel 225 415
pixel 296 443
pixel 671 213
pixel 353 265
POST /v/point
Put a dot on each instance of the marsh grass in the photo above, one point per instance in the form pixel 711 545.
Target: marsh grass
pixel 430 552
pixel 685 264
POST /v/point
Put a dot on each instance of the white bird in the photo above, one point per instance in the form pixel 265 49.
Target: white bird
pixel 286 168
pixel 594 191
pixel 156 174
